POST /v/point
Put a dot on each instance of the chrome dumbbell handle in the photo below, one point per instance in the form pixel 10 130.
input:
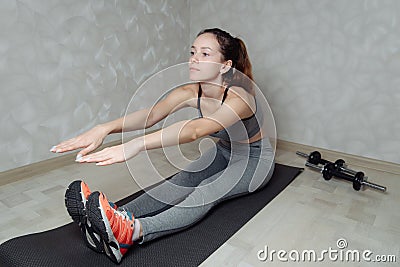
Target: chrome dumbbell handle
pixel 315 167
pixel 374 186
pixel 349 171
pixel 302 154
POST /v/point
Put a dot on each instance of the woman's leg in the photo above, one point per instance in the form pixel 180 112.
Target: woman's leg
pixel 235 180
pixel 179 186
pixel 119 229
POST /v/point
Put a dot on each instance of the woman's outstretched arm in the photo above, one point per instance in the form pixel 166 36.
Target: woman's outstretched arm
pixel 137 120
pixel 175 134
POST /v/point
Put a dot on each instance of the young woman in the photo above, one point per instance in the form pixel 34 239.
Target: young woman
pixel 242 162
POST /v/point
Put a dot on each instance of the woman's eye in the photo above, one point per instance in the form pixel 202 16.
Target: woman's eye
pixel 206 54
pixel 191 53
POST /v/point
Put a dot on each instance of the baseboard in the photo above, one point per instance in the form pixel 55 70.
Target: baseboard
pixel 44 166
pixel 351 160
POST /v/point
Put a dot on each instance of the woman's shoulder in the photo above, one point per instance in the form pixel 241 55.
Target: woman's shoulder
pixel 187 93
pixel 236 91
pixel 240 93
pixel 191 88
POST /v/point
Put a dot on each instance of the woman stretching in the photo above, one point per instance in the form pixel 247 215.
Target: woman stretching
pixel 241 162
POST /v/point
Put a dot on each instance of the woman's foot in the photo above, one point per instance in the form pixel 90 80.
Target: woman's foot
pixel 76 198
pixel 75 201
pixel 115 227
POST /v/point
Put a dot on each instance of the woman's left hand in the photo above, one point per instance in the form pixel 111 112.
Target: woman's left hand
pixel 114 154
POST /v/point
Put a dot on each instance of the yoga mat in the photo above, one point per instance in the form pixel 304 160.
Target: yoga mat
pixel 63 246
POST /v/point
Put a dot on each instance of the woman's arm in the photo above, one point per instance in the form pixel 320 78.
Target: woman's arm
pixel 145 118
pixel 178 133
pixel 138 120
pixel 190 130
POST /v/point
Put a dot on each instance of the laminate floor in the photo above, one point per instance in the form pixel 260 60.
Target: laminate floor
pixel 305 222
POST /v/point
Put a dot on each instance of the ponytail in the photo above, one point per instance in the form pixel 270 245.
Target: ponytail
pixel 243 64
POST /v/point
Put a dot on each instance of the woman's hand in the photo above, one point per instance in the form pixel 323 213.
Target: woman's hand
pixel 114 154
pixel 89 141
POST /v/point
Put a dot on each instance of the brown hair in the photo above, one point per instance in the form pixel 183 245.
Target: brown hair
pixel 233 48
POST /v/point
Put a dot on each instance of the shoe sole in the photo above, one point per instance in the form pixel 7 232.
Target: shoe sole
pixel 101 226
pixel 75 203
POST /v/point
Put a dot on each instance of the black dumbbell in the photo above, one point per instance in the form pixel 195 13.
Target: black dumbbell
pixel 340 163
pixel 327 171
pixel 358 180
pixel 314 157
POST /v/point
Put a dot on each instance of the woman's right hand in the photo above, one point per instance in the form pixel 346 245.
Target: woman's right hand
pixel 89 141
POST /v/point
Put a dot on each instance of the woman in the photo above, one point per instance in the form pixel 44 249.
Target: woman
pixel 242 163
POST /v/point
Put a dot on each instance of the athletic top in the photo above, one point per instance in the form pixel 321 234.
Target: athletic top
pixel 235 132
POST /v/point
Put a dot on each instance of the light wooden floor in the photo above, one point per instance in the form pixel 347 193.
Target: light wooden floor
pixel 310 214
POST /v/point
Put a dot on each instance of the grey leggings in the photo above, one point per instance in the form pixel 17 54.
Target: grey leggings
pixel 228 170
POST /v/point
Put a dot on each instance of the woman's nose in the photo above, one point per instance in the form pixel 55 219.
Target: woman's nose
pixel 194 59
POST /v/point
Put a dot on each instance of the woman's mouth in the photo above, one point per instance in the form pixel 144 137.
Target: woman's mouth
pixel 193 69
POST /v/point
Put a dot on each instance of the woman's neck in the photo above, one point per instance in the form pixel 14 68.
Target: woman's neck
pixel 212 90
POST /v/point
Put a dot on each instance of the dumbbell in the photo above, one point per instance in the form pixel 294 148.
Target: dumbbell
pixel 316 158
pixel 359 180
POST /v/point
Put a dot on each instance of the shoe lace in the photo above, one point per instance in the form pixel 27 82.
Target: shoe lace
pixel 121 225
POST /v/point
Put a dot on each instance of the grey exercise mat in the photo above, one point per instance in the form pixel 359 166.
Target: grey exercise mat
pixel 63 246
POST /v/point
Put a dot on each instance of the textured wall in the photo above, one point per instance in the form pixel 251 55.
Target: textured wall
pixel 67 65
pixel 330 69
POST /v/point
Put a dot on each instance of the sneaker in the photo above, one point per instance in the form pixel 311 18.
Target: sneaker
pixel 115 227
pixel 75 201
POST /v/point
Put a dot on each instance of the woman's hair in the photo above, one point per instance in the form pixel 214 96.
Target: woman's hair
pixel 233 48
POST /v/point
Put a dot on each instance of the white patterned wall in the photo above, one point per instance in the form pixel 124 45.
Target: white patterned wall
pixel 67 65
pixel 330 69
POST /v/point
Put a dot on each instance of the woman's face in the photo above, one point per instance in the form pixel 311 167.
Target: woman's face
pixel 206 60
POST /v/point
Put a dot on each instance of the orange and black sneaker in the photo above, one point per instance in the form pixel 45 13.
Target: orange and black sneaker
pixel 114 226
pixel 76 198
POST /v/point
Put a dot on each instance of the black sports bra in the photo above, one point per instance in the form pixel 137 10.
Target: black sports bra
pixel 235 131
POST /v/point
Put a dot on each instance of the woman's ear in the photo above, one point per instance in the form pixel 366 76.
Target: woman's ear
pixel 226 67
